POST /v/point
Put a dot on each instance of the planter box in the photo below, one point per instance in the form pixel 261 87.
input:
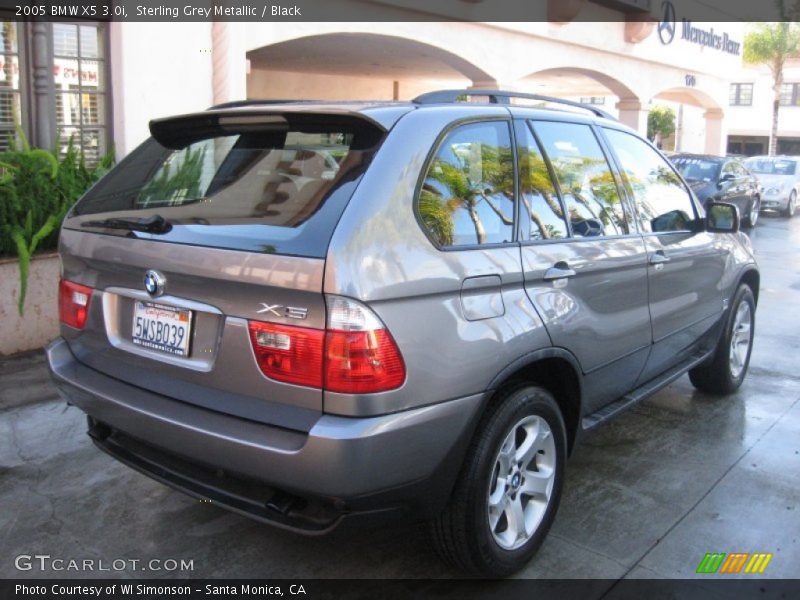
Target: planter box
pixel 40 323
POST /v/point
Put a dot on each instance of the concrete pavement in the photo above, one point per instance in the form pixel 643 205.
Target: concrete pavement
pixel 646 496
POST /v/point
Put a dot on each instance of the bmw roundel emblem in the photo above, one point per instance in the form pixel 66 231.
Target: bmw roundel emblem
pixel 154 282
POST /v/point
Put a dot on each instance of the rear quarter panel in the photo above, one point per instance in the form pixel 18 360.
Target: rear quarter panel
pixel 380 255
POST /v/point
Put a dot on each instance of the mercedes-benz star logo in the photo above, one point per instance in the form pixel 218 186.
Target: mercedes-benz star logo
pixel 666 28
pixel 154 282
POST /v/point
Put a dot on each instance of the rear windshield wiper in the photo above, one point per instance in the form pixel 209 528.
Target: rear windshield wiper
pixel 155 224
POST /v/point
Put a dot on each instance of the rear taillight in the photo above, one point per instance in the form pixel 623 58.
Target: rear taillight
pixel 355 354
pixel 73 303
pixel 360 355
pixel 287 353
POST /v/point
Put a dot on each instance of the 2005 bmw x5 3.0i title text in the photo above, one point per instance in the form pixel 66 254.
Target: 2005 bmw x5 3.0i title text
pixel 311 312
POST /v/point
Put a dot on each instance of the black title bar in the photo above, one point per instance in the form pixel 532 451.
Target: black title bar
pixel 318 589
pixel 399 10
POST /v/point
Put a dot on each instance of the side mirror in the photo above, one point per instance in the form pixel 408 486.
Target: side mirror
pixel 722 217
pixel 726 178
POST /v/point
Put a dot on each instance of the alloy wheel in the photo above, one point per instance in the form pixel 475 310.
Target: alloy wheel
pixel 741 338
pixel 522 482
pixel 755 209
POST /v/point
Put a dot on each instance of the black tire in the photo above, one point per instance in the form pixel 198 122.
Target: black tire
pixel 717 376
pixel 791 205
pixel 751 218
pixel 461 533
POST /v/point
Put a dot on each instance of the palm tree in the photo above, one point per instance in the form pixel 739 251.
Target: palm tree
pixel 586 174
pixel 771 44
pixel 175 186
pixel 535 180
pixel 496 170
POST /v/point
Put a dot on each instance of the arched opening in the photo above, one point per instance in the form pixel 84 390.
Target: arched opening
pixel 589 86
pixel 575 82
pixel 698 121
pixel 353 66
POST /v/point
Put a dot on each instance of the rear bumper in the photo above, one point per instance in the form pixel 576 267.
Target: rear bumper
pixel 406 460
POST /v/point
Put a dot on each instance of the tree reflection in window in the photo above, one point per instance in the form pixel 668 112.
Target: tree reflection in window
pixel 587 185
pixel 468 193
pixel 538 194
pixel 661 200
pixel 178 181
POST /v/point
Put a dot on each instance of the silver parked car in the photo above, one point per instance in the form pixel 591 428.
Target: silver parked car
pixel 319 313
pixel 779 180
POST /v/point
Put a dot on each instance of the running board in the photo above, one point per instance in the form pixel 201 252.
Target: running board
pixel 610 411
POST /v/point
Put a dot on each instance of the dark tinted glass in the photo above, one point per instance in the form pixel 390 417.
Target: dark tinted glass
pixel 661 199
pixel 277 190
pixel 467 196
pixel 587 184
pixel 738 169
pixel 538 194
pixel 697 169
pixel 771 166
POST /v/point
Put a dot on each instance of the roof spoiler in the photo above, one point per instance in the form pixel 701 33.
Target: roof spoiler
pixel 180 131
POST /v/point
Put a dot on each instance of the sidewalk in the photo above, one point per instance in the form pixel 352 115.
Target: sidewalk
pixel 24 380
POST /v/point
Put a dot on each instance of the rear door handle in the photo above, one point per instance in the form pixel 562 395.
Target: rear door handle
pixel 659 258
pixel 560 270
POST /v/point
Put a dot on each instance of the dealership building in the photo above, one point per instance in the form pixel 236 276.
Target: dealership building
pixel 100 83
pixel 750 111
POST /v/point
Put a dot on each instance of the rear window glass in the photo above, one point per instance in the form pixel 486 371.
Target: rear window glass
pixel 278 188
pixel 771 166
pixel 697 169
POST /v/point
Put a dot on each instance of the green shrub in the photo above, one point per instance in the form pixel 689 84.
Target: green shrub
pixel 37 188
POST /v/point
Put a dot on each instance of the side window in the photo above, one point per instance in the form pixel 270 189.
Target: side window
pixel 537 192
pixel 661 199
pixel 467 196
pixel 587 185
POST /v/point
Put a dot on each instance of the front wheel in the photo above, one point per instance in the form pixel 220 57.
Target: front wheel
pixel 726 371
pixel 791 205
pixel 508 491
pixel 752 215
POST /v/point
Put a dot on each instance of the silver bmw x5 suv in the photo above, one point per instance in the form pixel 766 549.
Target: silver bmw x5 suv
pixel 316 313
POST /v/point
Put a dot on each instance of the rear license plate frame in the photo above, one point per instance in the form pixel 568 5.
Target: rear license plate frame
pixel 172 320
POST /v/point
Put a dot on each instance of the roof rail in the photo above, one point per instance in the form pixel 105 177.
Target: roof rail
pixel 241 103
pixel 501 97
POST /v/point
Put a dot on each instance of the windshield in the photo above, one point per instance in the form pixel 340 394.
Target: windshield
pixel 697 169
pixel 771 166
pixel 276 189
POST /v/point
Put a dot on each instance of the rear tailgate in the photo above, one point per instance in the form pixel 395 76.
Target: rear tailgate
pixel 243 211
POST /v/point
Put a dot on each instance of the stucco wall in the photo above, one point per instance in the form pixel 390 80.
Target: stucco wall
pixel 40 323
pixel 507 53
pixel 757 119
pixel 282 84
pixel 157 70
pixel 168 68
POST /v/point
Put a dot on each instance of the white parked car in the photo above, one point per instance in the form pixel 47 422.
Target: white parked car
pixel 779 179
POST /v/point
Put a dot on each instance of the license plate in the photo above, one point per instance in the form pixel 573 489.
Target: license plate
pixel 163 328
